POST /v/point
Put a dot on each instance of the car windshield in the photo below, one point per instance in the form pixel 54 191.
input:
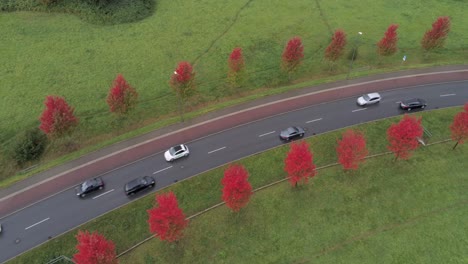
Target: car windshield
pixel 86 185
pixel 291 130
pixel 173 150
pixel 366 97
pixel 143 181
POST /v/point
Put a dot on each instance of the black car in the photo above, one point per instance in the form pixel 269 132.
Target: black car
pixel 292 133
pixel 89 186
pixel 139 184
pixel 412 104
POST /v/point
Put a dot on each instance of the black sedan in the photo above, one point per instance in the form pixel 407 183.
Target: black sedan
pixel 292 133
pixel 139 184
pixel 413 103
pixel 89 186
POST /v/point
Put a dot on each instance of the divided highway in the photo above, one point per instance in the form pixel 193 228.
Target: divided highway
pixel 51 217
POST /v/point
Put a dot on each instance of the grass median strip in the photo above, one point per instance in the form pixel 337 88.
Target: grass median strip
pixel 288 225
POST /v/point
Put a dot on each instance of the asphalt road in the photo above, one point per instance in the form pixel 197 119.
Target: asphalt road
pixel 35 224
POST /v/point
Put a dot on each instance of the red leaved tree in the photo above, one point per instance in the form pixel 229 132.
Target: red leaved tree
pixel 236 67
pixel 166 220
pixel 292 55
pixel 435 37
pixel 57 117
pixel 299 163
pixel 93 248
pixel 236 187
pixel 122 97
pixel 388 44
pixel 459 127
pixel 183 83
pixel 351 149
pixel 403 136
pixel 335 50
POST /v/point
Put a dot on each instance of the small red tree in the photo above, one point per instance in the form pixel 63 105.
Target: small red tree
pixel 122 97
pixel 166 220
pixel 236 187
pixel 292 55
pixel 299 163
pixel 388 44
pixel 335 50
pixel 351 149
pixel 435 37
pixel 93 248
pixel 57 117
pixel 459 127
pixel 182 82
pixel 236 67
pixel 403 136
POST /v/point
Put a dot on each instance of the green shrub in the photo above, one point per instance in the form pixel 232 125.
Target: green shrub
pixel 29 146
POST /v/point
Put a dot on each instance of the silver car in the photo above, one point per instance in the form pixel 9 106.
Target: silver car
pixel 176 152
pixel 368 99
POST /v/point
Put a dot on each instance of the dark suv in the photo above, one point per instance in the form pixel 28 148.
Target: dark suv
pixel 89 186
pixel 139 184
pixel 412 104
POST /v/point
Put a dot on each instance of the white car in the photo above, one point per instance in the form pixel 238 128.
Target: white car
pixel 176 152
pixel 367 99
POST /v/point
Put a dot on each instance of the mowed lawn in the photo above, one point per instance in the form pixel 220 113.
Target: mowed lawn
pixel 55 54
pixel 334 208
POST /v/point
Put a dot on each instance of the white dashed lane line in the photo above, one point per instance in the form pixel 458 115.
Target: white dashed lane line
pixel 267 134
pixel 216 150
pixel 315 120
pixel 357 110
pixel 445 95
pixel 103 194
pixel 162 170
pixel 33 225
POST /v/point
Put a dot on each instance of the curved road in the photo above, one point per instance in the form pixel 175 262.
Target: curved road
pixel 59 213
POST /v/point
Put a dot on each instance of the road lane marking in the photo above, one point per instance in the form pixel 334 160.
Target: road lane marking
pixel 318 119
pixel 103 194
pixel 162 170
pixel 42 221
pixel 357 110
pixel 267 134
pixel 444 95
pixel 399 102
pixel 216 150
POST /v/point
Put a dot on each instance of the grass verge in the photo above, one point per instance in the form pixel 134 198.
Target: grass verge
pixel 388 196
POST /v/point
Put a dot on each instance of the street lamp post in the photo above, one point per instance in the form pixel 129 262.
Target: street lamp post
pixel 356 44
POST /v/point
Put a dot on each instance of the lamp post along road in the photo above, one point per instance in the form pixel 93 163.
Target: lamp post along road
pixel 356 44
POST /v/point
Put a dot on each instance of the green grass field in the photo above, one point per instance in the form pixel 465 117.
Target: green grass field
pixel 365 216
pixel 59 54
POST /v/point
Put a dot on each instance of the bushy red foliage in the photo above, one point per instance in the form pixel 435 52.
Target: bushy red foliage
pixel 166 220
pixel 335 50
pixel 182 80
pixel 351 149
pixel 293 54
pixel 459 127
pixel 299 163
pixel 435 37
pixel 93 248
pixel 236 61
pixel 57 117
pixel 403 136
pixel 122 97
pixel 236 187
pixel 388 44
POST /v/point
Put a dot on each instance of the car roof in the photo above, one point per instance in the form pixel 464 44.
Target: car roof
pixel 413 100
pixel 133 183
pixel 373 95
pixel 178 147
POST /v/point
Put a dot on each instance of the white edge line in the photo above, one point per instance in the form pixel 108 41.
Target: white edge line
pixel 357 110
pixel 162 170
pixel 42 221
pixel 103 194
pixel 216 150
pixel 267 134
pixel 318 119
pixel 214 119
pixel 165 187
pixel 444 95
